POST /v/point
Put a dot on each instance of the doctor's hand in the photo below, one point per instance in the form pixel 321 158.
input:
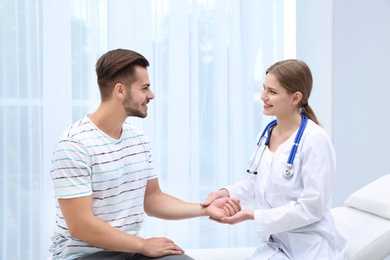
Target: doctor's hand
pixel 222 193
pixel 245 214
pixel 223 207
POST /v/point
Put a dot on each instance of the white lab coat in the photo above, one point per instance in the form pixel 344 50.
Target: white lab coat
pixel 292 214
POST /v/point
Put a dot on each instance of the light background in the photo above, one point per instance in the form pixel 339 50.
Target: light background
pixel 207 63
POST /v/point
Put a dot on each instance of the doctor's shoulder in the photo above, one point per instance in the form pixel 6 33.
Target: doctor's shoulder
pixel 314 132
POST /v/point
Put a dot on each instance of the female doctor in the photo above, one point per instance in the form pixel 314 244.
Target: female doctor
pixel 291 174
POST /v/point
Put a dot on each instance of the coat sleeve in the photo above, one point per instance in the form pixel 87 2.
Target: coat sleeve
pixel 244 190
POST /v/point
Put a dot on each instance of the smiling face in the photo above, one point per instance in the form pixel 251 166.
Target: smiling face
pixel 138 94
pixel 277 101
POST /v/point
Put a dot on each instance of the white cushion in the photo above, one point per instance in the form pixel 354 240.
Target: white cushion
pixel 373 198
pixel 221 253
pixel 367 235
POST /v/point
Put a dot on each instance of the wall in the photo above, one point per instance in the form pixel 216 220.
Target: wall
pixel 361 91
pixel 347 45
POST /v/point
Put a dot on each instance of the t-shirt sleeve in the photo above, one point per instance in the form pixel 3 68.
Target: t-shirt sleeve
pixel 71 170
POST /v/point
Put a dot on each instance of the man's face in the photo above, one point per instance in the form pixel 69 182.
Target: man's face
pixel 138 94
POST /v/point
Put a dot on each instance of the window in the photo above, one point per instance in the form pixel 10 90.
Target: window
pixel 207 64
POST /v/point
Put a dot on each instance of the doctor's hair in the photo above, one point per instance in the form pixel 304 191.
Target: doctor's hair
pixel 295 75
pixel 117 66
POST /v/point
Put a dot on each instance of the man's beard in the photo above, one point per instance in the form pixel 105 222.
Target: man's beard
pixel 131 110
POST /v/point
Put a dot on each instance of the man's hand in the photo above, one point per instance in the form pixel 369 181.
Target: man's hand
pixel 160 246
pixel 223 207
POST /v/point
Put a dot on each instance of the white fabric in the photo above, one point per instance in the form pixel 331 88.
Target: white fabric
pixel 365 221
pixel 373 198
pixel 220 253
pixel 367 235
pixel 294 211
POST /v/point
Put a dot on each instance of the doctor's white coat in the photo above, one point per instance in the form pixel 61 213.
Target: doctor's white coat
pixel 292 214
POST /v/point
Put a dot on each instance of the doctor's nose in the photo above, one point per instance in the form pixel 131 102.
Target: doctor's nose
pixel 263 96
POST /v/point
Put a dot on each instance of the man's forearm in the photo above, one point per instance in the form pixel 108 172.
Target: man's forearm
pixel 100 234
pixel 165 206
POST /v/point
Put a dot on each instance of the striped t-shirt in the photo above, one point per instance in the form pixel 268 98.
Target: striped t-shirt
pixel 87 161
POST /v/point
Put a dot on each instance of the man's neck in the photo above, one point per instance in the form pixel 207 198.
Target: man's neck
pixel 108 120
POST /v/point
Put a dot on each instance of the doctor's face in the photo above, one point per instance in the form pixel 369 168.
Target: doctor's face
pixel 277 101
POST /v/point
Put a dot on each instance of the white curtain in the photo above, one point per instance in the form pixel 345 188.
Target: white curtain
pixel 207 64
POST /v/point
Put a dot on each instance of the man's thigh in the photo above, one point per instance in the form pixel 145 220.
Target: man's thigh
pixel 167 257
pixel 110 255
pixel 106 255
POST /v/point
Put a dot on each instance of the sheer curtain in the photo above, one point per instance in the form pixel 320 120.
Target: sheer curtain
pixel 207 65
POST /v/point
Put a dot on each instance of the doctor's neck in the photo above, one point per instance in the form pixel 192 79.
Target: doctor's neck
pixel 288 123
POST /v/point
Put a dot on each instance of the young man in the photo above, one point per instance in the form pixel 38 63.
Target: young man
pixel 103 176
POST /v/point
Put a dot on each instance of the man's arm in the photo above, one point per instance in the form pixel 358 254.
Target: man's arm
pixel 162 205
pixel 85 226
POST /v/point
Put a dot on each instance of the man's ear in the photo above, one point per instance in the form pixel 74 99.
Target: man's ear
pixel 119 89
pixel 297 97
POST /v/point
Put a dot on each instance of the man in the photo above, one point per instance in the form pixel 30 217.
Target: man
pixel 104 179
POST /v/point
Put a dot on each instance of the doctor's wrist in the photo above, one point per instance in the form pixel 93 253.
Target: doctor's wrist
pixel 223 192
pixel 250 214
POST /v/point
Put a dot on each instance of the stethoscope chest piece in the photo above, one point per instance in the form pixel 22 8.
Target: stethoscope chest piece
pixel 288 171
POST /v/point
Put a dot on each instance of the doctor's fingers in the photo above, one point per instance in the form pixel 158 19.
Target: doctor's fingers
pixel 212 196
pixel 236 218
pixel 226 220
pixel 244 214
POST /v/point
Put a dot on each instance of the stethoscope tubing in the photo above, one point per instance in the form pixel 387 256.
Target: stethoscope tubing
pixel 287 172
pixel 297 139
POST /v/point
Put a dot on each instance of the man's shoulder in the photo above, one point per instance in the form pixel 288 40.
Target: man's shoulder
pixel 82 126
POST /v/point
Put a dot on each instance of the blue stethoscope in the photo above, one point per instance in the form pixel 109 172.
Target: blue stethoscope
pixel 288 171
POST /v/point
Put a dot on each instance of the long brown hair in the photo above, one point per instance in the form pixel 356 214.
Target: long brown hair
pixel 295 75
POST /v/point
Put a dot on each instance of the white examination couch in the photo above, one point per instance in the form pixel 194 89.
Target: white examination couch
pixel 364 221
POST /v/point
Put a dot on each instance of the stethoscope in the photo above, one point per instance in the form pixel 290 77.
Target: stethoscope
pixel 288 171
